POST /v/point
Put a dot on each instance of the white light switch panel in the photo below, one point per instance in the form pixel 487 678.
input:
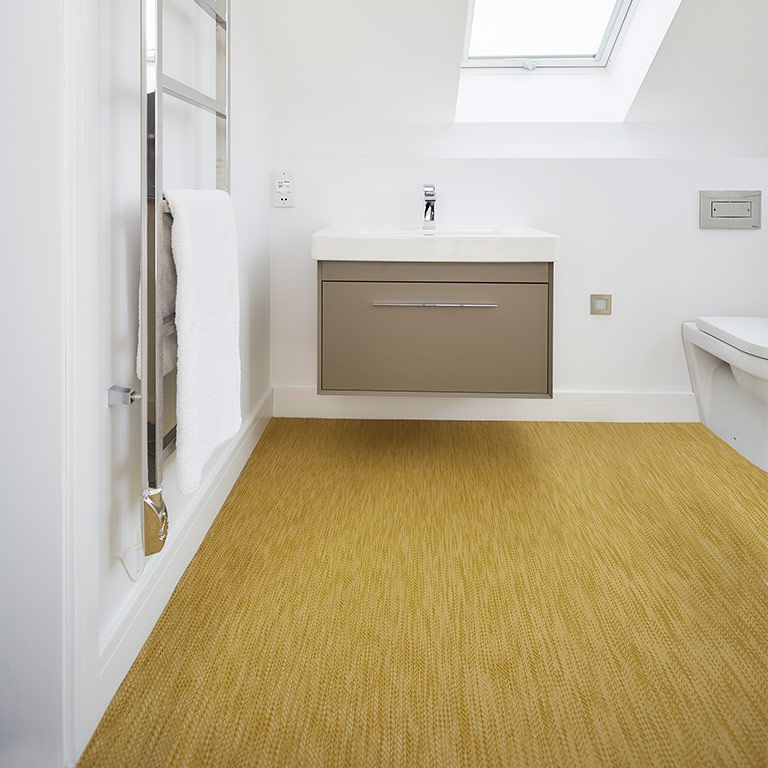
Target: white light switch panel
pixel 282 189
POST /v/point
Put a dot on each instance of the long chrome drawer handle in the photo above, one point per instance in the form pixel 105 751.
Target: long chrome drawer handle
pixel 435 304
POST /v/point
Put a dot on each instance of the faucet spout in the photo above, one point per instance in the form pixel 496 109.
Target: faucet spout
pixel 430 198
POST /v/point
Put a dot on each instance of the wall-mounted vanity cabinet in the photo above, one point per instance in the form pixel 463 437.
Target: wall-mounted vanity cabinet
pixel 458 327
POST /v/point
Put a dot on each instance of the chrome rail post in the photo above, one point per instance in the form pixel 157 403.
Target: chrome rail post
pixel 154 513
pixel 222 97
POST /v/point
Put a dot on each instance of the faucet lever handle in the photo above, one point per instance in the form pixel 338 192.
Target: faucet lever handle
pixel 429 191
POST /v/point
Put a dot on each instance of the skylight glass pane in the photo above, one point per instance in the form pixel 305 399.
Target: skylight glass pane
pixel 535 28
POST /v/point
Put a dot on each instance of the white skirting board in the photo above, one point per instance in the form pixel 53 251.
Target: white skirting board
pixel 304 402
pixel 139 617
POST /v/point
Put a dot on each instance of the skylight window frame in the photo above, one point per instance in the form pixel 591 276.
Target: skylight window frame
pixel 616 24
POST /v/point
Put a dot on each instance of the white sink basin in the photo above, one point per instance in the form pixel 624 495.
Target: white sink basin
pixel 513 243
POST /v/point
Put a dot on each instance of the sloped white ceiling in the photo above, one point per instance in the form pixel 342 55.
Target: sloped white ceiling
pixel 364 61
pixel 712 65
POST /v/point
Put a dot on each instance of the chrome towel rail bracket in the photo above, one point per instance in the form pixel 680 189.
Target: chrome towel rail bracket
pixel 122 395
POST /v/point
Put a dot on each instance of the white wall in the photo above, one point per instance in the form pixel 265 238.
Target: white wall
pixel 628 227
pixel 495 141
pixel 623 197
pixel 31 413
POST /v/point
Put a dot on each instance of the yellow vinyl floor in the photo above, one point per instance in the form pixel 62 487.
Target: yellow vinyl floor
pixel 465 594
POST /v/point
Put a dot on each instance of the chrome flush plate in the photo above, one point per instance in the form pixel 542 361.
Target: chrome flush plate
pixel 730 209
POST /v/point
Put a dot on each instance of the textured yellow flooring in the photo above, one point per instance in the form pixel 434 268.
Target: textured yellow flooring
pixel 465 594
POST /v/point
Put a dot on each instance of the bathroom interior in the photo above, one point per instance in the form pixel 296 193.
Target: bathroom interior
pixel 387 383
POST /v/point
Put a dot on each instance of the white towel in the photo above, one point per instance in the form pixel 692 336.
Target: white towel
pixel 204 245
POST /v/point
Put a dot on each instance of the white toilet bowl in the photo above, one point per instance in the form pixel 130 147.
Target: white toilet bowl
pixel 728 364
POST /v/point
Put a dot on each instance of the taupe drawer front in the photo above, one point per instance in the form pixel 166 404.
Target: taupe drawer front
pixel 435 337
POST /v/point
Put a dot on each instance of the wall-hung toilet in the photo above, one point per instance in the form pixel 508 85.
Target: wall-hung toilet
pixel 728 363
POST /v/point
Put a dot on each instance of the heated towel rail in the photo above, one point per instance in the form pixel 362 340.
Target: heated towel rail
pixel 157 442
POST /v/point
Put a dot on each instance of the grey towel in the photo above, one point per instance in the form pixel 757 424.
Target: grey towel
pixel 167 301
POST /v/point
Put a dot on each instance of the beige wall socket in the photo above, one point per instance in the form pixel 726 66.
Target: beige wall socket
pixel 600 303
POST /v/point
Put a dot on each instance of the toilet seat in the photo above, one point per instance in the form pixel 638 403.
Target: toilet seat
pixel 748 334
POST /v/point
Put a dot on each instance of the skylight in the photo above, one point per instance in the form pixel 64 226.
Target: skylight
pixel 543 33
